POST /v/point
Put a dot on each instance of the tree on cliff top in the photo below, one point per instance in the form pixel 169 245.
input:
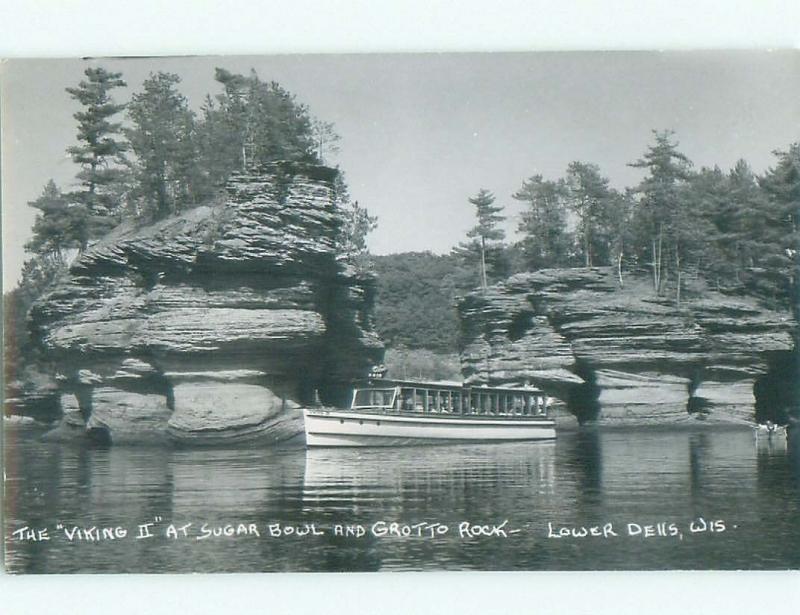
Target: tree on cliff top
pixel 661 212
pixel 59 225
pixel 99 152
pixel 253 122
pixel 485 245
pixel 543 225
pixel 589 196
pixel 781 230
pixel 163 138
pixel 326 139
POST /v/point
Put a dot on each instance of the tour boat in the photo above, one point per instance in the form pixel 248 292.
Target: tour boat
pixel 392 412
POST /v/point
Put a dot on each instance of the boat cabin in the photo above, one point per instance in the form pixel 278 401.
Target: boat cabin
pixel 392 396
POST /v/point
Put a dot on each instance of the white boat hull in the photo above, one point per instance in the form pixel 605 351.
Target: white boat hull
pixel 348 428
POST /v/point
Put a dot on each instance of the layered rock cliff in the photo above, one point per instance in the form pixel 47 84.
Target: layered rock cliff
pixel 215 325
pixel 625 355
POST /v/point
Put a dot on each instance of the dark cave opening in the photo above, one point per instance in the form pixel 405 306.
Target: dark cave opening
pixel 520 324
pixel 777 392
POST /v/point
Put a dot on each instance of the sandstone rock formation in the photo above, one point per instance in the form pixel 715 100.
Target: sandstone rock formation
pixel 623 355
pixel 215 325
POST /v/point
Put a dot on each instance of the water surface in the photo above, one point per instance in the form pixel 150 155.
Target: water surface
pixel 749 493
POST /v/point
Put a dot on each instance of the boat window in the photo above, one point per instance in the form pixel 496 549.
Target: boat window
pixel 480 401
pixel 407 402
pixel 455 404
pixel 373 398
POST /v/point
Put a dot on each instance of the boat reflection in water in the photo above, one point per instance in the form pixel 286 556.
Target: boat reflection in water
pixel 394 412
pixel 454 480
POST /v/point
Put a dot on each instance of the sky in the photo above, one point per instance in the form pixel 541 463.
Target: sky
pixel 421 133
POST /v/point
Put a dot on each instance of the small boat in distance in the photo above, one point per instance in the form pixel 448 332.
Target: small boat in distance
pixel 770 430
pixel 397 412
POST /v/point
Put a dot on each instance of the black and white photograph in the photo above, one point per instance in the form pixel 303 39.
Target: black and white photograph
pixel 521 311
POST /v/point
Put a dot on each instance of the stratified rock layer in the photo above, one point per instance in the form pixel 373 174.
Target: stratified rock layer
pixel 622 355
pixel 216 325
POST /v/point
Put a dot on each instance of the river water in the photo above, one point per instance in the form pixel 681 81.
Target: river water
pixel 656 499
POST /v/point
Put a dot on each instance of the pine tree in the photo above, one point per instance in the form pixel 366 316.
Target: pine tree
pixel 224 126
pixel 279 128
pixel 616 227
pixel 59 225
pixel 709 193
pixel 781 228
pixel 251 123
pixel 660 214
pixel 326 140
pixel 485 237
pixel 163 139
pixel 543 225
pixel 742 219
pixel 99 152
pixel 588 194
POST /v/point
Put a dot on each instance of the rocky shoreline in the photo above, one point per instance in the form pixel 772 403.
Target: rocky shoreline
pixel 625 355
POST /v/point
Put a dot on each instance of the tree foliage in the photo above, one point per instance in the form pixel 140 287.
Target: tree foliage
pixel 356 224
pixel 416 298
pixel 737 229
pixel 59 226
pixel 546 241
pixel 100 151
pixel 253 122
pixel 485 245
pixel 660 215
pixel 589 197
pixel 326 139
pixel 38 275
pixel 780 234
pixel 163 138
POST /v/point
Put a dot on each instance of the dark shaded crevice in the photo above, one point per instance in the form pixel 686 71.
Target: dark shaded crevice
pixel 341 361
pixel 583 399
pixel 170 397
pixel 777 392
pixel 520 324
pixel 697 405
